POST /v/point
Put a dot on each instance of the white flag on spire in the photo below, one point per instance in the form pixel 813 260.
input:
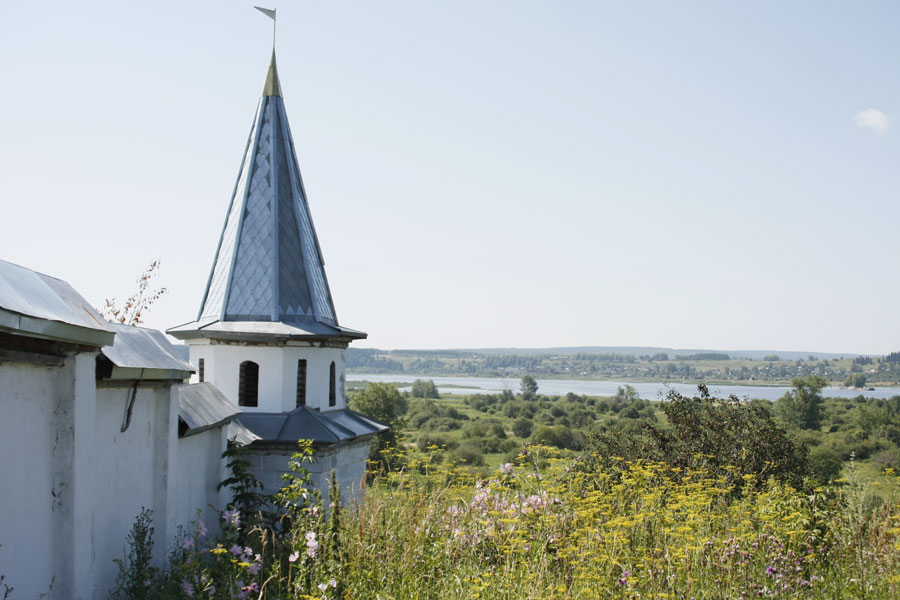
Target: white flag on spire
pixel 269 12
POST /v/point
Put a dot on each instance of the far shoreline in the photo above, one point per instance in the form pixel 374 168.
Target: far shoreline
pixel 729 382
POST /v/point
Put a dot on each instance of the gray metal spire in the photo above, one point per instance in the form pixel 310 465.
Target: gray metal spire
pixel 268 266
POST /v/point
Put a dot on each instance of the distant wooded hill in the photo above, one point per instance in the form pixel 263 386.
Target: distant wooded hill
pixel 635 351
pixel 631 363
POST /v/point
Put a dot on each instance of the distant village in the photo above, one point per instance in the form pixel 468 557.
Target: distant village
pixel 659 366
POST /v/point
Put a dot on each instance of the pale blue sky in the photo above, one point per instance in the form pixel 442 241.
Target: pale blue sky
pixel 683 174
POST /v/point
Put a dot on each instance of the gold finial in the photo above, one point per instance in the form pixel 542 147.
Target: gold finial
pixel 272 86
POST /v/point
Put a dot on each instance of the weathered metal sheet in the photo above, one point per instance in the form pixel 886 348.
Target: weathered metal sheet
pixel 32 303
pixel 265 426
pixel 136 348
pixel 214 298
pixel 253 277
pixel 261 330
pixel 302 423
pixel 237 432
pixel 202 406
pixel 355 422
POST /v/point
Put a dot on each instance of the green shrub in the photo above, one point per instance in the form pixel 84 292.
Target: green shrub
pixel 726 437
pixel 444 424
pixel 559 436
pixel 825 464
pixel 508 445
pixel 476 430
pixel 426 440
pixel 522 427
pixel 867 448
pixel 489 444
pixel 424 389
pixel 887 459
pixel 469 454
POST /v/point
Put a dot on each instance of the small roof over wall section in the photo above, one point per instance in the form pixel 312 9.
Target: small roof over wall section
pixel 302 423
pixel 141 354
pixel 202 406
pixel 36 305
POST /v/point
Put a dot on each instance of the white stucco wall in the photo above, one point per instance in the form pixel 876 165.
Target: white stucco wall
pixel 33 400
pixel 347 460
pixel 349 463
pixel 277 373
pixel 198 470
pixel 131 469
pixel 80 481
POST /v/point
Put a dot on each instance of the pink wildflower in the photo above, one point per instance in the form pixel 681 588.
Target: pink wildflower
pixel 201 529
pixel 311 544
pixel 232 517
pixel 188 544
pixel 294 556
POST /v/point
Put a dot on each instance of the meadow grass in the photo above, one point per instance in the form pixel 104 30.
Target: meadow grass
pixel 555 525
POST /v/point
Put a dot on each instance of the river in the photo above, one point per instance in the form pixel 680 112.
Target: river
pixel 646 390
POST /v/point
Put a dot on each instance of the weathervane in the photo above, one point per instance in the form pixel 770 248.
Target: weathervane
pixel 269 12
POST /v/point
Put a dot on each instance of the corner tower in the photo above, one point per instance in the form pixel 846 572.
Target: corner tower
pixel 267 334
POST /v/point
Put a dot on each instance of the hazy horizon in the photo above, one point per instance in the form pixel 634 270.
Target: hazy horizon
pixel 627 350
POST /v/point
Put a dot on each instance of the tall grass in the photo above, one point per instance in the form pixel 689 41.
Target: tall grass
pixel 554 526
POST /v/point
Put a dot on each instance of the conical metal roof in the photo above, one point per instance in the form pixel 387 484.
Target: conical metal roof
pixel 268 265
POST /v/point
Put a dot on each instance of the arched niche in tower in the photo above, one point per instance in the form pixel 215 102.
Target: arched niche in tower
pixel 248 384
pixel 332 386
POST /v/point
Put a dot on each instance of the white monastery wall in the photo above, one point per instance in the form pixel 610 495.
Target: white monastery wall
pixel 277 373
pixel 33 400
pixel 349 463
pixel 348 460
pixel 198 470
pixel 74 482
pixel 131 468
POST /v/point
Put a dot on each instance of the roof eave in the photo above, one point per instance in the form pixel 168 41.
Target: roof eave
pixel 19 324
pixel 196 330
pixel 195 430
pixel 141 374
pixel 316 443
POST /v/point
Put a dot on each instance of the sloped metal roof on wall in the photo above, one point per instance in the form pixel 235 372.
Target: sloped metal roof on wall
pixel 138 353
pixel 202 406
pixel 302 423
pixel 41 306
pixel 268 265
